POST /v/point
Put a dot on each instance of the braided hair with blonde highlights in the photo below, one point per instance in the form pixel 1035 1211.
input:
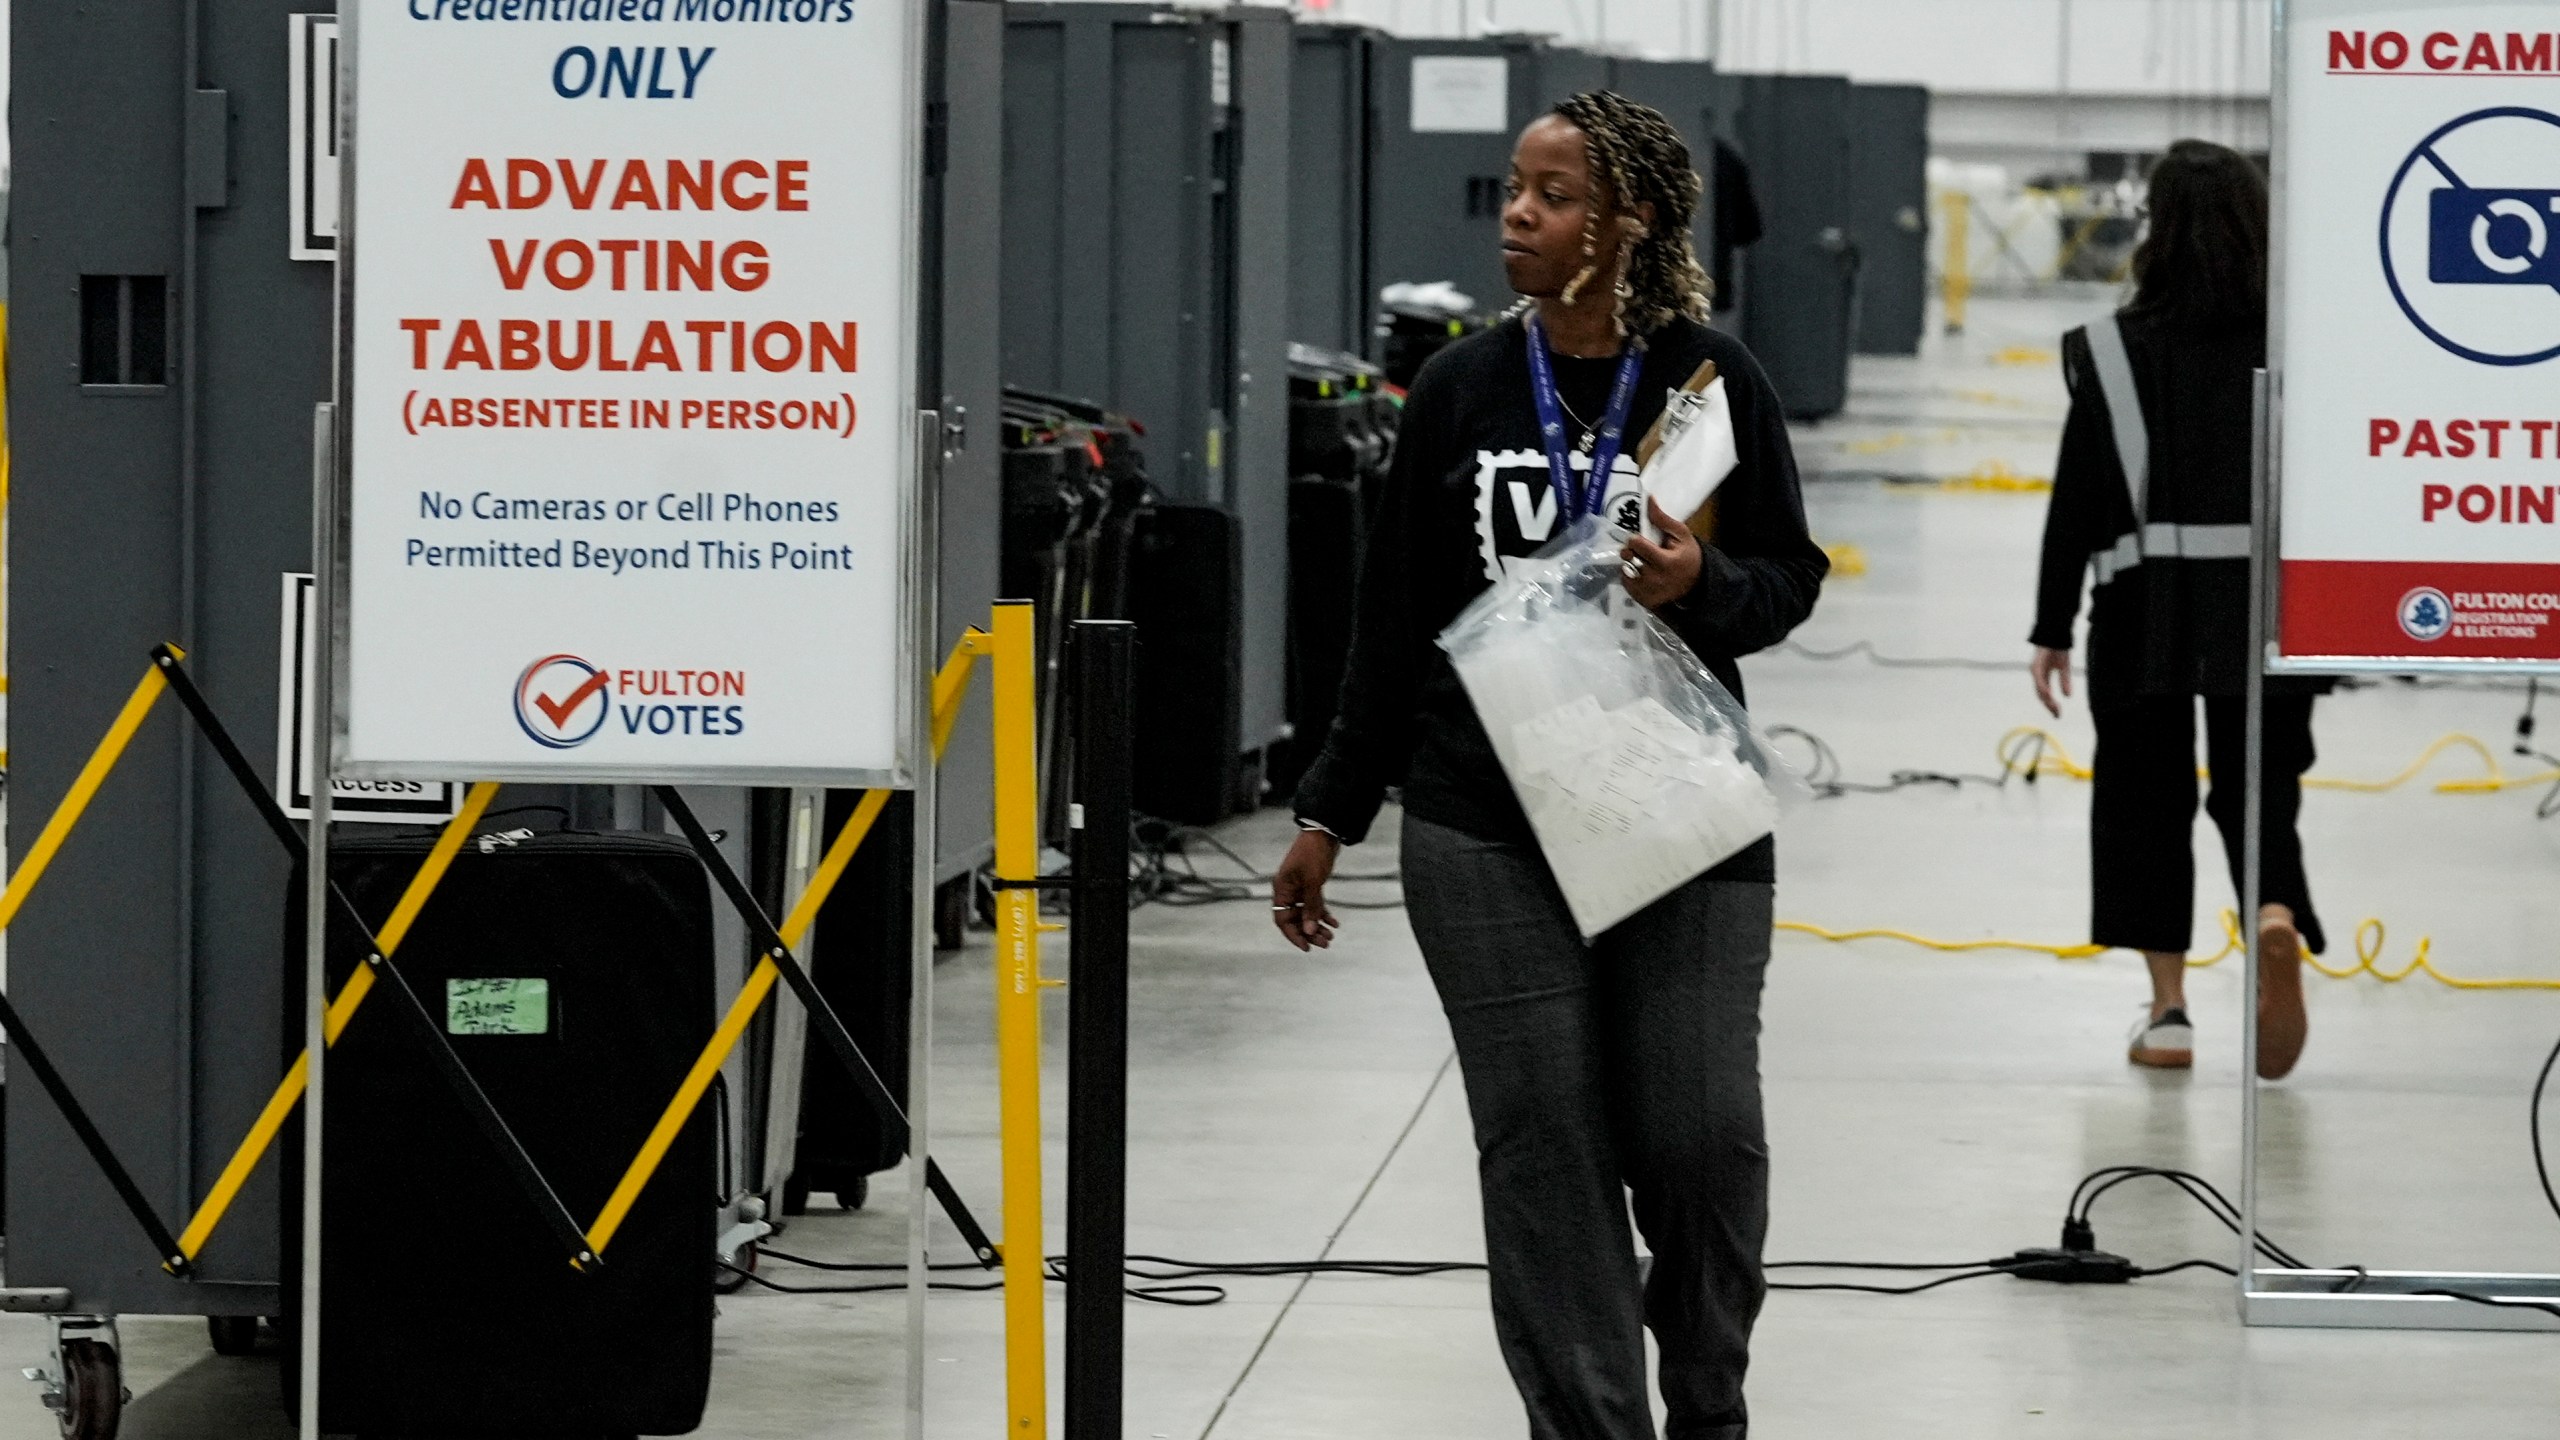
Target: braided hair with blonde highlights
pixel 1638 158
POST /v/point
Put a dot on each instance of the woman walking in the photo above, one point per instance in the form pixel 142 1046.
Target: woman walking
pixel 1631 1064
pixel 2151 495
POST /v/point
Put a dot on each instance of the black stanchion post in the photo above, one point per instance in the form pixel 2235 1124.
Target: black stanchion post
pixel 1105 669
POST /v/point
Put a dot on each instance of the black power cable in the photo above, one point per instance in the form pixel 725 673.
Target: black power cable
pixel 1164 871
pixel 749 1277
pixel 1826 775
pixel 2078 1234
pixel 2469 1298
pixel 2541 1164
pixel 1983 1273
pixel 2076 1261
pixel 1158 1268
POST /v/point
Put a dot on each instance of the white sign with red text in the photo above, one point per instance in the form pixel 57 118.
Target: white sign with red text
pixel 2420 334
pixel 629 355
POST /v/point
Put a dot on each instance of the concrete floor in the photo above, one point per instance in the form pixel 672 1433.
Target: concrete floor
pixel 1923 1105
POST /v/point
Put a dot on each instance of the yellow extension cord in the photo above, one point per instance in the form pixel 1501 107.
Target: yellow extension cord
pixel 2031 750
pixel 2369 938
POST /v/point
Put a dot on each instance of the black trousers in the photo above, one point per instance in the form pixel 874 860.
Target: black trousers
pixel 1630 1065
pixel 2142 866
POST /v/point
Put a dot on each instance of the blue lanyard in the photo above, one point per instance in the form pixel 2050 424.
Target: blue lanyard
pixel 1575 501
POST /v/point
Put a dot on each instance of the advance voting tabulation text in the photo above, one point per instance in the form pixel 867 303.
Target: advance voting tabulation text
pixel 727 531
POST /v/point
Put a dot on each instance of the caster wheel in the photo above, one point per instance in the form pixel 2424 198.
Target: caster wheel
pixel 855 1195
pixel 233 1334
pixel 92 1390
pixel 951 915
pixel 730 1282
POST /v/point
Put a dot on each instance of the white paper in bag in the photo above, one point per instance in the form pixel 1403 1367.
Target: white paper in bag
pixel 1638 770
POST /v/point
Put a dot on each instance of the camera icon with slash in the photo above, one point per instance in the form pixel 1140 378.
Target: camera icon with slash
pixel 2493 237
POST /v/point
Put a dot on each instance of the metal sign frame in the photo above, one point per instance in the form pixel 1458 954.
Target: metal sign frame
pixel 912 767
pixel 916 547
pixel 2277 1295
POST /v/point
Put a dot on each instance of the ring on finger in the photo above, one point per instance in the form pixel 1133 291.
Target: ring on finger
pixel 1631 567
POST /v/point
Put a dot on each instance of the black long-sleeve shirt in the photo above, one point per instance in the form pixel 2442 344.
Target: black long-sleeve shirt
pixel 1467 491
pixel 2166 626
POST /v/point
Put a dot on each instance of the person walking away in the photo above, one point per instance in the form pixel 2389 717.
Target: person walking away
pixel 2151 497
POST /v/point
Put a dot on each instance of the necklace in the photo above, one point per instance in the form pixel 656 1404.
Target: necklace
pixel 1590 432
pixel 1576 499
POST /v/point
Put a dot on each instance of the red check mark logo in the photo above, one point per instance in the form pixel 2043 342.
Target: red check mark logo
pixel 559 711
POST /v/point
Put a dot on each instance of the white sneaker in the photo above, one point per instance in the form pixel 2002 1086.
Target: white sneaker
pixel 2168 1043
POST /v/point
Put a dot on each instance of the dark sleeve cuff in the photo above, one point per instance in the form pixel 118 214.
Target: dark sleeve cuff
pixel 1717 599
pixel 1336 801
pixel 2050 637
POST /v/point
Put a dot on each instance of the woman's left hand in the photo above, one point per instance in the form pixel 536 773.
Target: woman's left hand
pixel 1659 574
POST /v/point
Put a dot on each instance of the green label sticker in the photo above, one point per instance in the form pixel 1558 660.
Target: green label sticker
pixel 497 1006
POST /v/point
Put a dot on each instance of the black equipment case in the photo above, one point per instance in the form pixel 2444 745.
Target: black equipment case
pixel 860 961
pixel 574 973
pixel 1183 592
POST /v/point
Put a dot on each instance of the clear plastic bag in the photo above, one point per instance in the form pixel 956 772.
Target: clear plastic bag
pixel 1639 770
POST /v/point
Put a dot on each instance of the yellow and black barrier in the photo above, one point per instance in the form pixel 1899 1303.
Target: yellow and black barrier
pixel 1009 647
pixel 57 828
pixel 776 965
pixel 178 1252
pixel 377 969
pixel 342 1009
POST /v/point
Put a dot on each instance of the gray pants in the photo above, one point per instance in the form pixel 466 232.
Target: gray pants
pixel 1628 1065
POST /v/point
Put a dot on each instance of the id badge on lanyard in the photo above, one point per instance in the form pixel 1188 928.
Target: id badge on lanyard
pixel 1573 501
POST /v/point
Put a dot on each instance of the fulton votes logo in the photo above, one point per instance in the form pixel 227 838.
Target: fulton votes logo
pixel 2426 613
pixel 563 701
pixel 2471 237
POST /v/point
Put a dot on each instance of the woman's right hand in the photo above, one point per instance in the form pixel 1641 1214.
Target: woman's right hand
pixel 1297 890
pixel 2050 668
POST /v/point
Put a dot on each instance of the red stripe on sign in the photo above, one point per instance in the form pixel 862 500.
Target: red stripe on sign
pixel 2422 609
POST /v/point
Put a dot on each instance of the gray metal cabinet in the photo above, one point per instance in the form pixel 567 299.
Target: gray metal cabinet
pixel 1436 174
pixel 1332 303
pixel 966 210
pixel 1799 282
pixel 1889 145
pixel 1146 230
pixel 166 359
